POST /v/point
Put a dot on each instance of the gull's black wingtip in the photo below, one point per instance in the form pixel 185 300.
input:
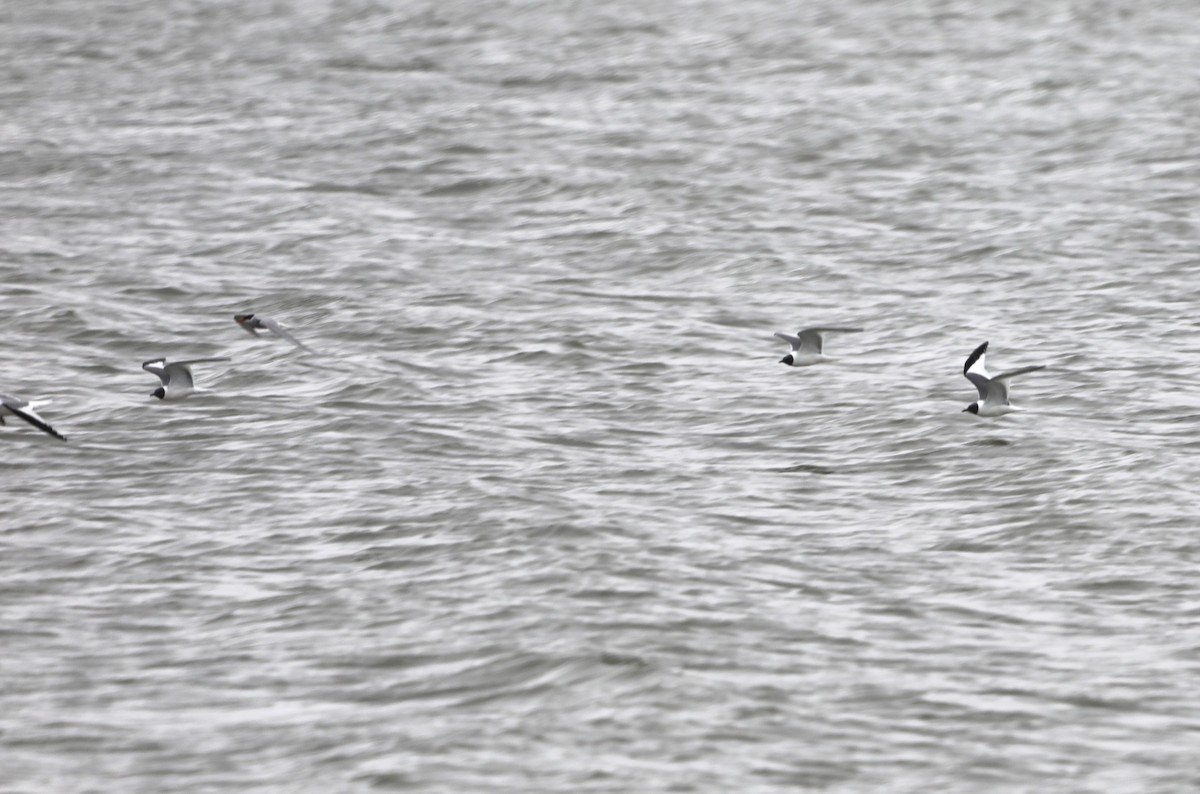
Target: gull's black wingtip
pixel 48 429
pixel 971 359
pixel 38 423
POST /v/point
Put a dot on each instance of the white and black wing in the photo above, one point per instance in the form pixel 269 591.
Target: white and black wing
pixel 157 366
pixel 23 410
pixel 975 371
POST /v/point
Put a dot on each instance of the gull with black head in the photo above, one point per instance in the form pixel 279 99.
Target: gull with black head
pixel 808 344
pixel 253 323
pixel 176 377
pixel 993 390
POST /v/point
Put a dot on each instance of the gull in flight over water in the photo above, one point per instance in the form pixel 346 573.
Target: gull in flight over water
pixel 993 390
pixel 807 344
pixel 23 409
pixel 176 377
pixel 253 323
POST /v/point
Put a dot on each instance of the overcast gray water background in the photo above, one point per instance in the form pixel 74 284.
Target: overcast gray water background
pixel 544 513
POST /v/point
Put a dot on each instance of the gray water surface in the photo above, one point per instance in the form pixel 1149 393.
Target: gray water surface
pixel 544 513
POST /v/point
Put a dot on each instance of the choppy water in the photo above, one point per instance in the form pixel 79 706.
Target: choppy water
pixel 545 514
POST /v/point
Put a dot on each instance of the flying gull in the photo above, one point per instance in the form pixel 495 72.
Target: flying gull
pixel 253 323
pixel 993 391
pixel 176 377
pixel 807 344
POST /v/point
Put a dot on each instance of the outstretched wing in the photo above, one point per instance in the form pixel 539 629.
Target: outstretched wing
pixel 975 371
pixel 975 361
pixel 279 330
pixel 836 330
pixel 25 411
pixel 999 384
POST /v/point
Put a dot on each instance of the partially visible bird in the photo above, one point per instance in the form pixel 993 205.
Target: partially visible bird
pixel 176 377
pixel 807 345
pixel 23 409
pixel 993 390
pixel 253 323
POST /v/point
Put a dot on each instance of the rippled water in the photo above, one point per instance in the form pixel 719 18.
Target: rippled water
pixel 544 513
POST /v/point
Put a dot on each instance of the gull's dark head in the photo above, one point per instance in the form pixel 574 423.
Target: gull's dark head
pixel 160 393
pixel 242 319
pixel 787 360
pixel 973 408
